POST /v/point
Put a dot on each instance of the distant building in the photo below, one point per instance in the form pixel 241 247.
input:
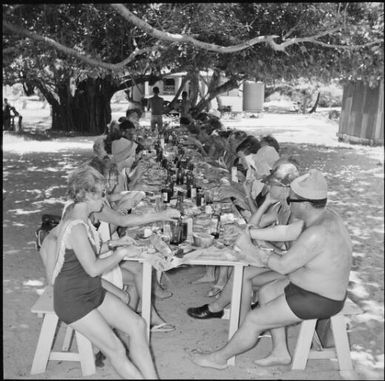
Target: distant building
pixel 170 85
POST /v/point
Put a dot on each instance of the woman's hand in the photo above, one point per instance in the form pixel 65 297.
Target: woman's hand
pixel 225 192
pixel 128 251
pixel 169 214
pixel 123 241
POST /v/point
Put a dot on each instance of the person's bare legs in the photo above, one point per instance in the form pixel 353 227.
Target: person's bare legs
pixel 208 276
pixel 280 354
pixel 128 279
pixel 120 316
pixel 273 314
pixel 251 275
pixel 219 285
pixel 96 329
pixel 136 269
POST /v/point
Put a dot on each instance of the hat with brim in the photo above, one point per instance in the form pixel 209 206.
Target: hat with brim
pixel 264 160
pixel 122 149
pixel 311 186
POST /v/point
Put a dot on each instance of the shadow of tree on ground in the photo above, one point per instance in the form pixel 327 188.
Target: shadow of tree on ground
pixel 35 183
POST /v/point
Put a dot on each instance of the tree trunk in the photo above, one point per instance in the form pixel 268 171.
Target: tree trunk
pixel 88 112
pixel 314 108
pixel 194 87
pixel 232 83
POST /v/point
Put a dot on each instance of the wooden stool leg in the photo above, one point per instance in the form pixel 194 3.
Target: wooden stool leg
pixel 341 342
pixel 304 341
pixel 68 339
pixel 87 358
pixel 44 344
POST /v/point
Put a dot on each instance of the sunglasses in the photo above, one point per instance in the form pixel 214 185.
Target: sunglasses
pixel 289 200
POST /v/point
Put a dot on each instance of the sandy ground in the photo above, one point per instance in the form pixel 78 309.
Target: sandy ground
pixel 34 175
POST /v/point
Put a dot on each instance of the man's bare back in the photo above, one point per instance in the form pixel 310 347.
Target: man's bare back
pixel 327 274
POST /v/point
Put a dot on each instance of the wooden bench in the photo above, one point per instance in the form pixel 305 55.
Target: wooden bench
pixel 308 334
pixel 44 349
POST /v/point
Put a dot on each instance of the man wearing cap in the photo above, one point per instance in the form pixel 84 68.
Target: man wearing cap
pixel 276 228
pixel 317 269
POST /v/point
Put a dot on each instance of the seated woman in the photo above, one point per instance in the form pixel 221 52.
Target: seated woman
pixel 110 173
pixel 79 298
pixel 126 154
pixel 254 166
pixel 134 115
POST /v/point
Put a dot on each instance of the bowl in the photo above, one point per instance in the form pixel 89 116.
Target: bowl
pixel 203 239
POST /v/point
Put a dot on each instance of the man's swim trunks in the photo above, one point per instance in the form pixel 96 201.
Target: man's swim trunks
pixel 309 305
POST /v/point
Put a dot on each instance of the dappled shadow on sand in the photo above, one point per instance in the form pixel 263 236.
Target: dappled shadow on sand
pixel 34 183
pixel 356 192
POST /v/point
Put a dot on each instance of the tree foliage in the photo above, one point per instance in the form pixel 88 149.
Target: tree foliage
pixel 45 45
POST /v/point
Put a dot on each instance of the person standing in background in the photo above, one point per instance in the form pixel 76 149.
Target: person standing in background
pixel 185 110
pixel 155 104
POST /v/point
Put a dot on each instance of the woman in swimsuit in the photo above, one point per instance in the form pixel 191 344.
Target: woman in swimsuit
pixel 79 298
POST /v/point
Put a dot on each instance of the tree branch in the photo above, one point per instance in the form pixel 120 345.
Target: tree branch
pixel 313 39
pixel 180 38
pixel 183 38
pixel 91 61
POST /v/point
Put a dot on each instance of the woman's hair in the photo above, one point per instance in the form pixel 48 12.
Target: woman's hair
pixel 99 146
pixel 249 145
pixel 126 125
pixel 82 180
pixel 132 111
pixel 224 134
pixel 271 141
pixel 113 134
pixel 104 166
pixel 114 131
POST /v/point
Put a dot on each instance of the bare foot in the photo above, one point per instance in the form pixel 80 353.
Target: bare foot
pixel 207 360
pixel 161 293
pixel 272 360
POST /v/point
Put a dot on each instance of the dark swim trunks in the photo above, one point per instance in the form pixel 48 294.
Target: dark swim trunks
pixel 309 305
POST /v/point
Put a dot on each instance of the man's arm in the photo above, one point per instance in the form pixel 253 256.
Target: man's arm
pixel 303 251
pixel 279 233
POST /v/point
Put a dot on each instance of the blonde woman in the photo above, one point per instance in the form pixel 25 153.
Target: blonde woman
pixel 79 298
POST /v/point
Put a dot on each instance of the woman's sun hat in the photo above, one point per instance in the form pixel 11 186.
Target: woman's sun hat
pixel 312 186
pixel 122 149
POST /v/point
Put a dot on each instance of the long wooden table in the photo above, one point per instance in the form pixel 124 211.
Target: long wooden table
pixel 235 298
pixel 206 260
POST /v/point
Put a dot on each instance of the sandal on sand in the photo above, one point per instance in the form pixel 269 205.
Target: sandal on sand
pixel 163 327
pixel 99 359
pixel 215 290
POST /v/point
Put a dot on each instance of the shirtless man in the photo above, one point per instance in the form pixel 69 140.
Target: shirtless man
pixel 155 103
pixel 317 269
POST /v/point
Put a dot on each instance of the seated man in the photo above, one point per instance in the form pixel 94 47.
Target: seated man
pixel 277 226
pixel 317 269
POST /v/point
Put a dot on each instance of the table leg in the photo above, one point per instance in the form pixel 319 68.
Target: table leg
pixel 235 305
pixel 146 295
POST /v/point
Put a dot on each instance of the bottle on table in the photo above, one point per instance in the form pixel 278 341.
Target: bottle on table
pixel 215 225
pixel 179 202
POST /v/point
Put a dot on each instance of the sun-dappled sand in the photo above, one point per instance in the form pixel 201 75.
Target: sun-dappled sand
pixel 34 176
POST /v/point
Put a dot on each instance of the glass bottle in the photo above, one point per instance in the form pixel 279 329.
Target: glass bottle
pixel 215 225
